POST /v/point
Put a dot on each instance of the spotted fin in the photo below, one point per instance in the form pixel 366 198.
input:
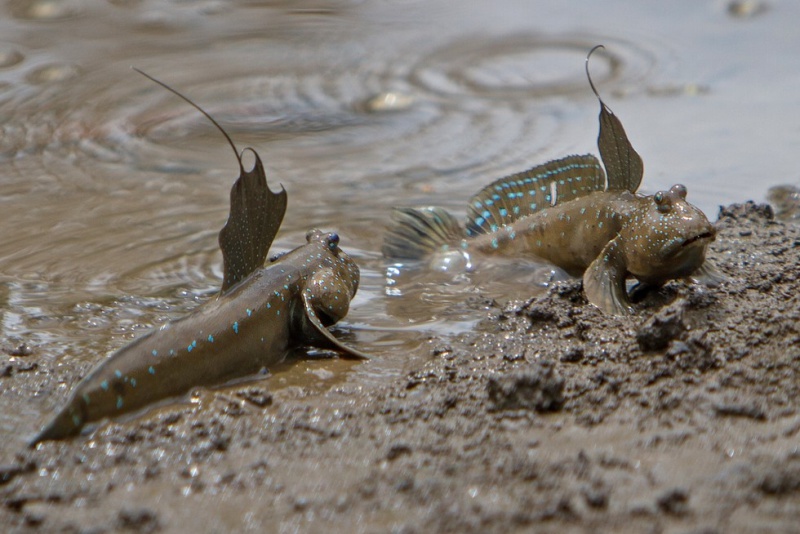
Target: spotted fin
pixel 515 196
pixel 417 233
pixel 623 164
pixel 604 281
pixel 315 333
pixel 254 220
pixel 256 212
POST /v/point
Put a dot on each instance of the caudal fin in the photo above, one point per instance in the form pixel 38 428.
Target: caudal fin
pixel 417 233
pixel 65 424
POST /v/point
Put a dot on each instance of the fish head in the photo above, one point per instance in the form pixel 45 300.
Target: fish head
pixel 334 279
pixel 667 237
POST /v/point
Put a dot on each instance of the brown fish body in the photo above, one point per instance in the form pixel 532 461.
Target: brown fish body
pixel 604 236
pixel 569 235
pixel 249 327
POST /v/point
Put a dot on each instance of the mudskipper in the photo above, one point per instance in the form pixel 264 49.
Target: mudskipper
pixel 260 314
pixel 571 213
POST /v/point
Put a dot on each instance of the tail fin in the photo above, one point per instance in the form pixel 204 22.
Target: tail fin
pixel 417 233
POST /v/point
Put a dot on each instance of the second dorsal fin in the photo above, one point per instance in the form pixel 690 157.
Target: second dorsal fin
pixel 508 199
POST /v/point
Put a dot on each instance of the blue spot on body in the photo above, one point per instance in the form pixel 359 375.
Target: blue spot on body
pixel 269 305
pixel 104 385
pixel 236 327
pixel 86 398
pixel 118 373
pixel 119 402
pixel 155 352
pixel 76 419
pixel 249 312
pixel 151 370
pixel 503 212
pixel 495 244
pixel 133 382
pixel 210 338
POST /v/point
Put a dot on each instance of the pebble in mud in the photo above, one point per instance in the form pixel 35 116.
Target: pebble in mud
pixel 538 388
pixel 663 327
pixel 138 520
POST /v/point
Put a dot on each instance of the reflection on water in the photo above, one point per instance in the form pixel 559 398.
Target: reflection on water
pixel 113 191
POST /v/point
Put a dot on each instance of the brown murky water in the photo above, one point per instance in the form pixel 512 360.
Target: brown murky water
pixel 112 190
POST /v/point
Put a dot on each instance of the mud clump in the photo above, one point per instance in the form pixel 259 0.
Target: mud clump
pixel 538 388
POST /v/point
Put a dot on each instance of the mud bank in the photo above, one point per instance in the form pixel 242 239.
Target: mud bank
pixel 551 417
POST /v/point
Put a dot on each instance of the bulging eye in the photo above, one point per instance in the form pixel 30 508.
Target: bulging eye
pixel 333 240
pixel 662 202
pixel 679 189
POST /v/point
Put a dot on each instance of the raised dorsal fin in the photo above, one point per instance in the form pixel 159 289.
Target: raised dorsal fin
pixel 623 164
pixel 508 199
pixel 256 212
pixel 254 220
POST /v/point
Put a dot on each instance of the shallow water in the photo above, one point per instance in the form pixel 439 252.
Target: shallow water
pixel 112 190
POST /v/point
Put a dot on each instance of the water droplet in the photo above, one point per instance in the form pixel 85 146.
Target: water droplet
pixel 389 102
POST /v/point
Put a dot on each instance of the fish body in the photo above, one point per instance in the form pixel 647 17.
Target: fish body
pixel 603 236
pixel 251 326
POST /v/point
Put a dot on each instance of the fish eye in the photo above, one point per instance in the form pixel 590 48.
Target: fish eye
pixel 662 201
pixel 679 189
pixel 313 235
pixel 333 240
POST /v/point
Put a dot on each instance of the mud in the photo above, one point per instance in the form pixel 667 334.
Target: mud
pixel 550 417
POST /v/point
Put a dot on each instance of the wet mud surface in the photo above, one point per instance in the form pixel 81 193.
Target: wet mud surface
pixel 549 417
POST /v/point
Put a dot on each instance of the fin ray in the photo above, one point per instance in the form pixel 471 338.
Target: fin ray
pixel 419 232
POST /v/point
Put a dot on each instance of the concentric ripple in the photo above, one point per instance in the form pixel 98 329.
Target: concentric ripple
pixel 528 65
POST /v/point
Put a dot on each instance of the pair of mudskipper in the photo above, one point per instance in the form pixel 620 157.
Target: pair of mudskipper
pixel 567 211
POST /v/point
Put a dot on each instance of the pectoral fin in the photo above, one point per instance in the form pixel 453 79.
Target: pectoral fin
pixel 604 281
pixel 326 299
pixel 709 275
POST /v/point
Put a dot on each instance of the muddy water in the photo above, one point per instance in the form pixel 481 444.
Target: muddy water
pixel 112 191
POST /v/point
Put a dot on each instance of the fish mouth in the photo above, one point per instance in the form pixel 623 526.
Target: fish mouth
pixel 325 319
pixel 709 235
